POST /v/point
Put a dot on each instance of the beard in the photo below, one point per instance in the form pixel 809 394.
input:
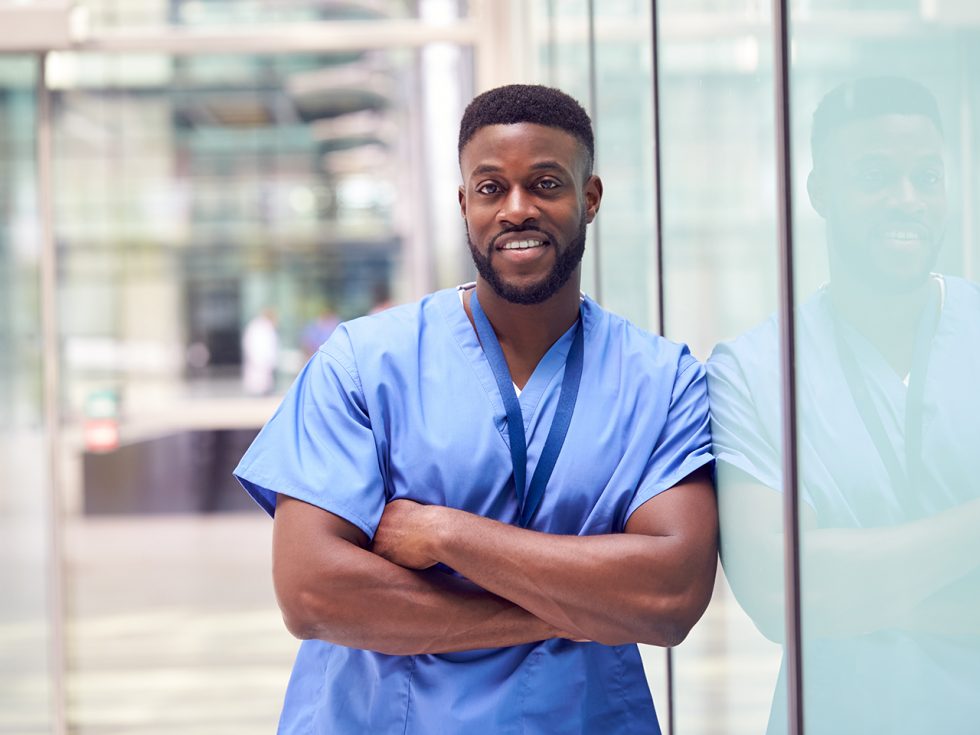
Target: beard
pixel 566 261
pixel 883 271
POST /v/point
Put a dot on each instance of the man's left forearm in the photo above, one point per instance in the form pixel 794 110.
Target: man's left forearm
pixel 649 586
pixel 616 588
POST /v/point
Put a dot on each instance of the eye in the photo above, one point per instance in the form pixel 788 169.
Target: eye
pixel 871 178
pixel 929 179
pixel 489 188
pixel 547 184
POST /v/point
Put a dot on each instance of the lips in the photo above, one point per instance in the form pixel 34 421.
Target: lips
pixel 909 233
pixel 522 244
pixel 523 240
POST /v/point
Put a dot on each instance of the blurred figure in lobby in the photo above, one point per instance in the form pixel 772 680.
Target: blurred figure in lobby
pixel 318 330
pixel 888 354
pixel 260 353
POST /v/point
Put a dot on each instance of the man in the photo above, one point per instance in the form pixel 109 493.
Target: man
pixel 436 592
pixel 888 356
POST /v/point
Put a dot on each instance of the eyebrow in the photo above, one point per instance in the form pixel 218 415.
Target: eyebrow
pixel 489 168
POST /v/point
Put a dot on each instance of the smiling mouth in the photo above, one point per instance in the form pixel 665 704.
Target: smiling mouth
pixel 903 235
pixel 523 244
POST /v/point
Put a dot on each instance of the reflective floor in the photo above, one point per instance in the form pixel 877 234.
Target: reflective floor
pixel 174 629
pixel 174 626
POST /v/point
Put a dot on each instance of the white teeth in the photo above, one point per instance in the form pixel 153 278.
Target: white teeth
pixel 902 235
pixel 522 244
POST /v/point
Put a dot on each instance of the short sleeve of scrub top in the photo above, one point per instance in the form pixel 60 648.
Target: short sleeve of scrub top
pixel 685 442
pixel 318 446
pixel 742 417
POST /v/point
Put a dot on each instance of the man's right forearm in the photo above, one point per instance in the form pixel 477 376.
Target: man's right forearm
pixel 350 596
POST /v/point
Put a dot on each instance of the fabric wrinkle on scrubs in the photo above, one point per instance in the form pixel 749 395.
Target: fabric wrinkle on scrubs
pixel 404 404
pixel 889 680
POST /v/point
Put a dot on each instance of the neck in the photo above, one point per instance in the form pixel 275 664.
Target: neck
pixel 889 320
pixel 527 331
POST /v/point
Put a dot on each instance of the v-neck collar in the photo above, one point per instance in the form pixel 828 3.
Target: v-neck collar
pixel 869 356
pixel 548 369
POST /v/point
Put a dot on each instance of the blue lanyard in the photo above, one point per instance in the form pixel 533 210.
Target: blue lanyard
pixel 908 482
pixel 530 501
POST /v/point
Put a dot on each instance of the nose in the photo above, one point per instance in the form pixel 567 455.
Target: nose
pixel 518 207
pixel 906 195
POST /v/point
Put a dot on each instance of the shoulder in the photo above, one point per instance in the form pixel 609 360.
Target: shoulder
pixel 961 293
pixel 756 352
pixel 394 333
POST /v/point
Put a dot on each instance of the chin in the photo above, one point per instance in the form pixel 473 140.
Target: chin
pixel 899 282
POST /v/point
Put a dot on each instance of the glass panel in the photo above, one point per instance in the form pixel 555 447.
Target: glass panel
pixel 216 216
pixel 562 36
pixel 888 333
pixel 624 158
pixel 25 517
pixel 623 273
pixel 720 289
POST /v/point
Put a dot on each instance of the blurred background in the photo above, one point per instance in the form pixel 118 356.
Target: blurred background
pixel 194 192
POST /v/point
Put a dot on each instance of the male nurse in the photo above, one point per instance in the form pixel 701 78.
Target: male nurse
pixel 888 354
pixel 484 500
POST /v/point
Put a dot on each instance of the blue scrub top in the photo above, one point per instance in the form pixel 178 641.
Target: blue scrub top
pixel 889 680
pixel 404 404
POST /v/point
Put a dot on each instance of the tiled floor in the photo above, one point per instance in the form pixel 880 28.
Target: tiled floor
pixel 173 628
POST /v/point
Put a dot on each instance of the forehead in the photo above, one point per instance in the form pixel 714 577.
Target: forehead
pixel 893 135
pixel 520 146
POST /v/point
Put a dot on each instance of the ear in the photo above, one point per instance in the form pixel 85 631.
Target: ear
pixel 815 188
pixel 462 202
pixel 593 196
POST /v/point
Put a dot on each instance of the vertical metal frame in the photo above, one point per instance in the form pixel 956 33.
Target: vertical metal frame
pixel 657 171
pixel 791 526
pixel 594 111
pixel 51 396
pixel 659 259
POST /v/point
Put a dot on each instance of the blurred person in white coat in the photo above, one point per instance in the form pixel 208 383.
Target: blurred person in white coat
pixel 260 353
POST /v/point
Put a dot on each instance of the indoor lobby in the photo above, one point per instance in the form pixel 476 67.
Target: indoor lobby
pixel 194 193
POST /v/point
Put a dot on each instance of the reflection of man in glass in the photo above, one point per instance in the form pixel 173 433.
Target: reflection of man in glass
pixel 888 360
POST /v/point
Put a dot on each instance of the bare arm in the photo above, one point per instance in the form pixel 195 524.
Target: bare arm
pixel 855 580
pixel 330 586
pixel 650 584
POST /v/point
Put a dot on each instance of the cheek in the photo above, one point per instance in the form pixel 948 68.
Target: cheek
pixel 937 206
pixel 858 210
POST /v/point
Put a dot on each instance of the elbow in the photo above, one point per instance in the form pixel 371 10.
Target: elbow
pixel 668 620
pixel 303 614
pixel 666 630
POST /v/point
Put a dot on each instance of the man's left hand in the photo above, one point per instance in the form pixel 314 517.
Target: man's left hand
pixel 404 534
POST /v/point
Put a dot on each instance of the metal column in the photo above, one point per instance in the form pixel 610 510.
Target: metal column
pixel 791 525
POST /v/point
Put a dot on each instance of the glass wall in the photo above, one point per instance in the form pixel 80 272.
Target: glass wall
pixel 25 513
pixel 602 55
pixel 719 281
pixel 885 186
pixel 882 161
pixel 887 338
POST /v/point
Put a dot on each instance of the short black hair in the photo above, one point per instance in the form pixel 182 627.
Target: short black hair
pixel 528 103
pixel 870 97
